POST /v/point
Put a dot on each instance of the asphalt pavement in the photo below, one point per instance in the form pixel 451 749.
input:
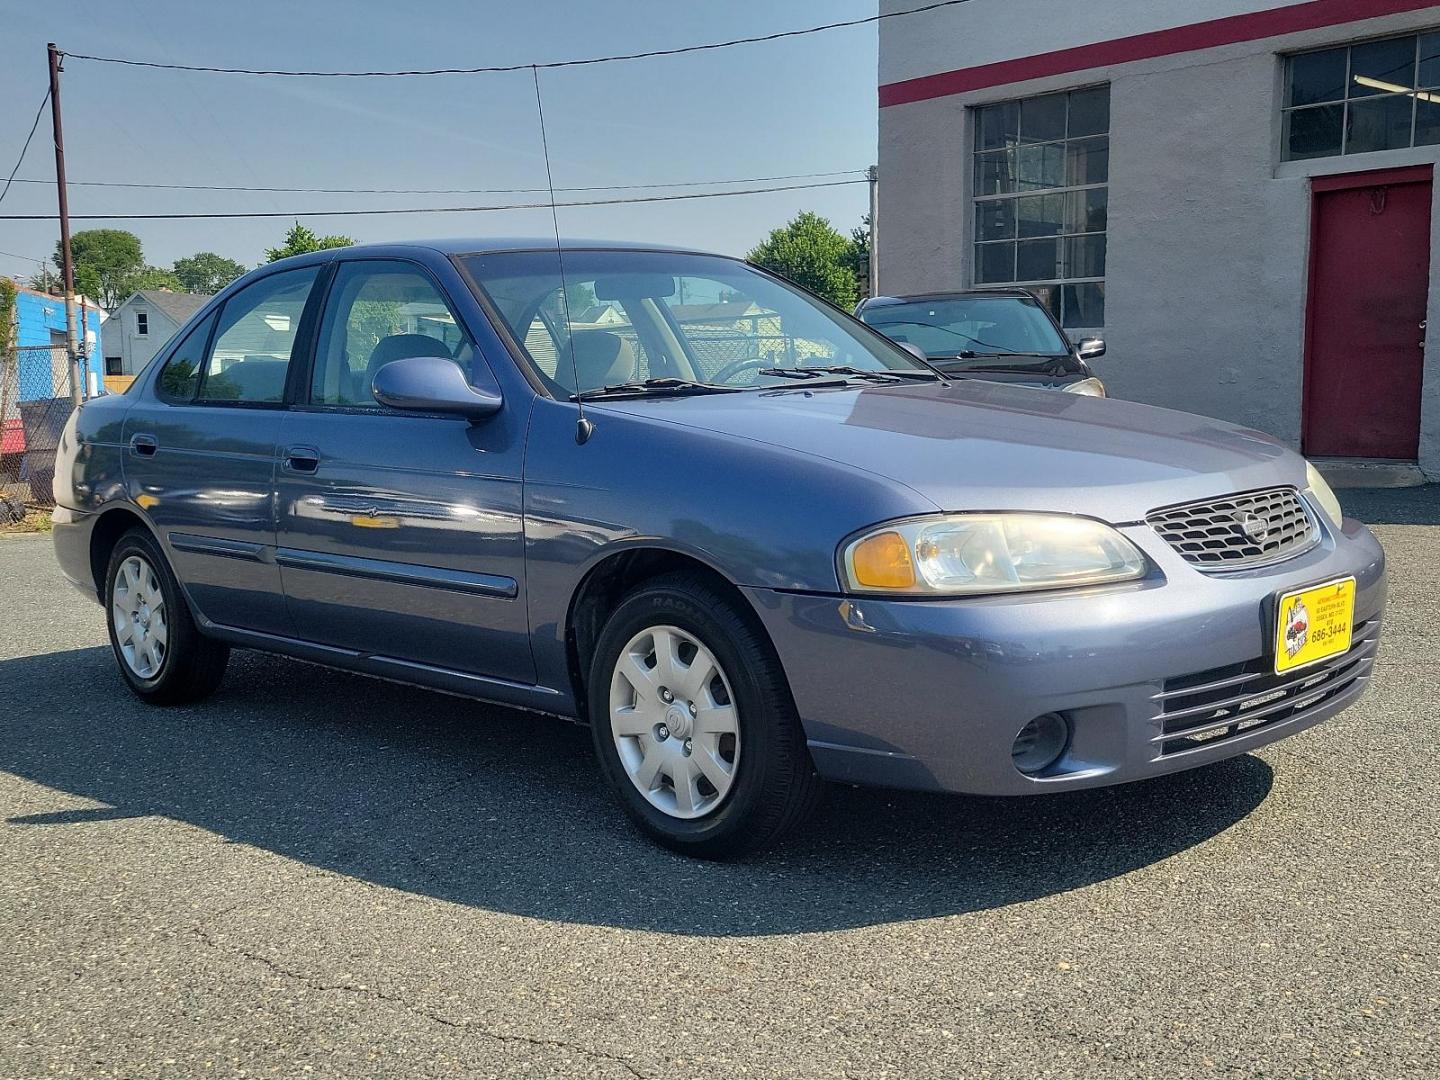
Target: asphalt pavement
pixel 315 873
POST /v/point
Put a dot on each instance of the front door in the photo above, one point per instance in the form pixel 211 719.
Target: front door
pixel 1369 276
pixel 401 533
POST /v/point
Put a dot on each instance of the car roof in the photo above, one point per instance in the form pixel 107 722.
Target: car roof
pixel 452 246
pixel 491 244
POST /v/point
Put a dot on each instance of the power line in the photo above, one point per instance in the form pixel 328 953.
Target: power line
pixel 26 258
pixel 434 209
pixel 25 149
pixel 708 47
pixel 441 191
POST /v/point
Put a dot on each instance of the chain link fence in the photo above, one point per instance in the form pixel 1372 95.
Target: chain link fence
pixel 35 403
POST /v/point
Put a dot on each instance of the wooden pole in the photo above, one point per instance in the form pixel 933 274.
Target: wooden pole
pixel 874 175
pixel 67 268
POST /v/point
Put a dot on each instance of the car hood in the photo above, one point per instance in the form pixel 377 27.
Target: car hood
pixel 973 445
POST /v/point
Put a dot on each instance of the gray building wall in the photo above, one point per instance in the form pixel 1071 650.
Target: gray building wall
pixel 1207 265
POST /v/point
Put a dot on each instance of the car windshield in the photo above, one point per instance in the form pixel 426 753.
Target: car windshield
pixel 969 326
pixel 668 322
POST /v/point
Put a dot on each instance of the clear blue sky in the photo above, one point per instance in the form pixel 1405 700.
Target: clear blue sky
pixel 795 106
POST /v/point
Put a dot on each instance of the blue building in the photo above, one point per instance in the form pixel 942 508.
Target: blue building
pixel 41 321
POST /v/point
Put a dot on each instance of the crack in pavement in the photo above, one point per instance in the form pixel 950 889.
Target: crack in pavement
pixel 417 1010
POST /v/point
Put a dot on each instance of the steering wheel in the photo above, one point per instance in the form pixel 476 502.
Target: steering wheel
pixel 735 367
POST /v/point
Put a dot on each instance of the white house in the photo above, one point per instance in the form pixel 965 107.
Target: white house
pixel 1239 194
pixel 137 329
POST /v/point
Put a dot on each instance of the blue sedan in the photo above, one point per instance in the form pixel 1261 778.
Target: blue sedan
pixel 748 540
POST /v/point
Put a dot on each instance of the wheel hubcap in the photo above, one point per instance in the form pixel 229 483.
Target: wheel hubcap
pixel 137 607
pixel 674 722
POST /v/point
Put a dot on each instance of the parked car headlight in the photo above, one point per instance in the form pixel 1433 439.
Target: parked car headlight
pixel 1320 491
pixel 1086 387
pixel 961 554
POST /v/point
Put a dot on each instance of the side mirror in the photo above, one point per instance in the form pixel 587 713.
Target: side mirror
pixel 914 350
pixel 432 384
pixel 1089 348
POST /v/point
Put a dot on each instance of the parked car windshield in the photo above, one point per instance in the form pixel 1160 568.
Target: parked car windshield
pixel 961 326
pixel 703 321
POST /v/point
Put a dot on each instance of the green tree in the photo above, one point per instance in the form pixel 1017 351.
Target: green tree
pixel 153 277
pixel 300 240
pixel 7 313
pixel 809 252
pixel 87 283
pixel 206 272
pixel 106 263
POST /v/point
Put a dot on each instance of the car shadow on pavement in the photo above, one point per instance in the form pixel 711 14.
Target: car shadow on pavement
pixel 502 810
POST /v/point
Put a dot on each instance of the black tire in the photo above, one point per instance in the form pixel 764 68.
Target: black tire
pixel 775 786
pixel 192 665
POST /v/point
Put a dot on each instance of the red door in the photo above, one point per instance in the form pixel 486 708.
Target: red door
pixel 1369 275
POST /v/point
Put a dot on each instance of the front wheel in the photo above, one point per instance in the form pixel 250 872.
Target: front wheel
pixel 693 722
pixel 162 654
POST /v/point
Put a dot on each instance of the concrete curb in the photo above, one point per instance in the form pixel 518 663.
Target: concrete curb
pixel 1359 473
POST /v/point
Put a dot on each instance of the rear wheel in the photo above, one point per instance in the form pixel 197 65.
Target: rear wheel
pixel 693 722
pixel 161 653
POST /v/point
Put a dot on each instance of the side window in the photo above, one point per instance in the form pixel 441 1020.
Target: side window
pixel 253 342
pixel 180 377
pixel 379 312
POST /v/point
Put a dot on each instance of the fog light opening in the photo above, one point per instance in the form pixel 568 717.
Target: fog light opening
pixel 1040 743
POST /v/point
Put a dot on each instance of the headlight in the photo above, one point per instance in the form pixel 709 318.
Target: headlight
pixel 962 554
pixel 1086 388
pixel 1320 491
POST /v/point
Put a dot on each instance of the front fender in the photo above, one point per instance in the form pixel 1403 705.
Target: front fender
pixel 759 515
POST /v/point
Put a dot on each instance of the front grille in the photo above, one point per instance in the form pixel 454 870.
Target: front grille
pixel 1209 707
pixel 1212 534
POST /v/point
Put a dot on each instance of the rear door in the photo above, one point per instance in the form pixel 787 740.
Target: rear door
pixel 400 534
pixel 200 449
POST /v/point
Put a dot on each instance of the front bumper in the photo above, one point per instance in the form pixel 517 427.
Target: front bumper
pixel 931 694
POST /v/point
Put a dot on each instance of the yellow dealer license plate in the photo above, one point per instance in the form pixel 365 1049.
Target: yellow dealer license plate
pixel 1314 624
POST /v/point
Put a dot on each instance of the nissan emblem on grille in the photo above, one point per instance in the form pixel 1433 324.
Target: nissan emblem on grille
pixel 1253 525
pixel 1234 531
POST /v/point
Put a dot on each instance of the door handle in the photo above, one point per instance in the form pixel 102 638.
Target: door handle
pixel 302 459
pixel 144 445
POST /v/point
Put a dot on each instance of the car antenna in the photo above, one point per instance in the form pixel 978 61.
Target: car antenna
pixel 583 427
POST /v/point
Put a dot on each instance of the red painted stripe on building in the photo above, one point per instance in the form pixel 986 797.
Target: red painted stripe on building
pixel 1206 35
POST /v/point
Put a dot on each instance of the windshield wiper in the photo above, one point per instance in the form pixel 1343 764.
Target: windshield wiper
pixel 888 375
pixel 672 387
pixel 970 354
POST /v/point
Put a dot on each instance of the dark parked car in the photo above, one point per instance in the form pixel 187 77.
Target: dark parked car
pixel 1003 335
pixel 474 467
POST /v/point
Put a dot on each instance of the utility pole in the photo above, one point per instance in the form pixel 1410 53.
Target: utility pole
pixel 874 175
pixel 67 268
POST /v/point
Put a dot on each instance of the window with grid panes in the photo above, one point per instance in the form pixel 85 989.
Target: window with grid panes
pixel 1356 99
pixel 1042 173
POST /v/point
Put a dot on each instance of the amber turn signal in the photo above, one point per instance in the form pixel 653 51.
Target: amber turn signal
pixel 883 561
